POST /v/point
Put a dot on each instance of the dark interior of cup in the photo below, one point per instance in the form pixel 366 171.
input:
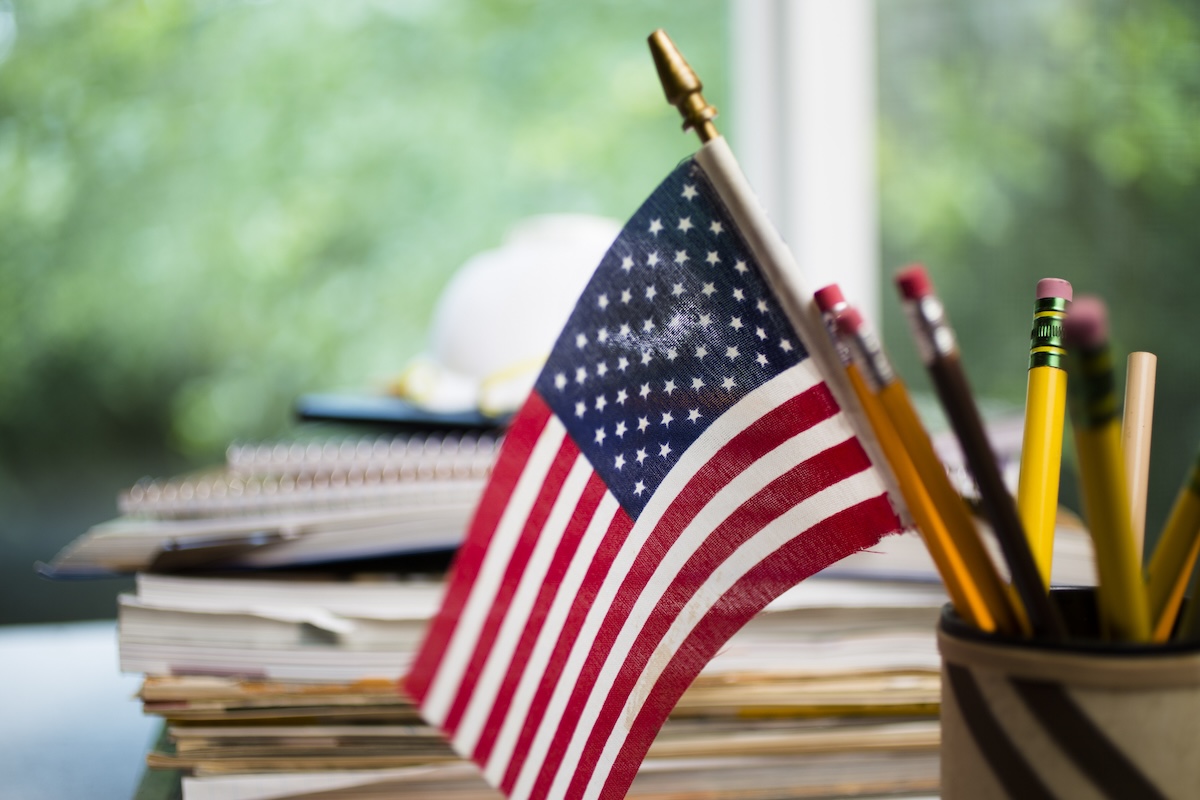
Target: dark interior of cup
pixel 1081 614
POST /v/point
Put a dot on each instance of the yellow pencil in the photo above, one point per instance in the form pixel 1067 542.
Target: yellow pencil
pixel 1174 557
pixel 975 587
pixel 1096 424
pixel 1045 408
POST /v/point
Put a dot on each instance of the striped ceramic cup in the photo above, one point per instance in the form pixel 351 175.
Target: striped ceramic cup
pixel 1085 719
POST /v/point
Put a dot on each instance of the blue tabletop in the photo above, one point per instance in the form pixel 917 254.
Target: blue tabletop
pixel 69 724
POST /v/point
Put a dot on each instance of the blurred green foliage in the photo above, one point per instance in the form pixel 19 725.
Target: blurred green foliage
pixel 209 207
pixel 1022 140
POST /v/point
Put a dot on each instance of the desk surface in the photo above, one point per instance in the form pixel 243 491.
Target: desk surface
pixel 69 726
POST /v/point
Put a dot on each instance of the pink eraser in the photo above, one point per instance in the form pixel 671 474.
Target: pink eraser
pixel 1054 287
pixel 829 297
pixel 1087 324
pixel 849 321
pixel 913 282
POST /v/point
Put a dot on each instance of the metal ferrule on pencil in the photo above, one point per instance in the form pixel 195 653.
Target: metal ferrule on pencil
pixel 936 339
pixel 867 352
pixel 1046 345
pixel 845 357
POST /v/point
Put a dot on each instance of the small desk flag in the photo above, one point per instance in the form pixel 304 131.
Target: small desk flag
pixel 679 464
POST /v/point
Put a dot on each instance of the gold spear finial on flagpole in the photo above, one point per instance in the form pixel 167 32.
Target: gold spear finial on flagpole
pixel 682 87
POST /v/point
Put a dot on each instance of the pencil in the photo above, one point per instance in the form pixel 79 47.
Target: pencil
pixel 961 588
pixel 1093 404
pixel 831 301
pixel 1045 409
pixel 939 351
pixel 971 579
pixel 1136 427
pixel 1174 557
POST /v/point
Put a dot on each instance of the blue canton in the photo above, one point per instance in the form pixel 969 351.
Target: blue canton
pixel 676 325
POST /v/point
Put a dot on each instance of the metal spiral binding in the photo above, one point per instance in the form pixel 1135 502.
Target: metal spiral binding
pixel 362 472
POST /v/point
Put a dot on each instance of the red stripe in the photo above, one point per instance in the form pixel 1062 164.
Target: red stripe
pixel 564 459
pixel 846 532
pixel 775 499
pixel 614 537
pixel 518 444
pixel 794 416
pixel 569 544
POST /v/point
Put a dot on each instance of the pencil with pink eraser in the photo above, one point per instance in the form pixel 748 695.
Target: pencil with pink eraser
pixel 1096 423
pixel 1045 412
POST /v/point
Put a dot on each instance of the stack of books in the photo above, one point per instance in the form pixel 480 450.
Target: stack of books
pixel 290 687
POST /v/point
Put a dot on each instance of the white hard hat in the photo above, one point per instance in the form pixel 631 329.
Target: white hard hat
pixel 495 322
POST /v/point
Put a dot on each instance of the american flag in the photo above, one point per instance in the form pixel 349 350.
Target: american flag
pixel 679 464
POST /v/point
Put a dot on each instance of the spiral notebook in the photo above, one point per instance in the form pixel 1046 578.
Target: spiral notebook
pixel 361 500
pixel 285 504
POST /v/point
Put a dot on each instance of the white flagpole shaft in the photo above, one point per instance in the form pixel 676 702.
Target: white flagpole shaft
pixel 783 275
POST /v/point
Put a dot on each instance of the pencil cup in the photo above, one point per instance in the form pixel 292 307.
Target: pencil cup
pixel 1084 719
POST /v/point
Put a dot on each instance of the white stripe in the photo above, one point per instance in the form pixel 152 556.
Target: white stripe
pixel 516 616
pixel 832 500
pixel 483 591
pixel 539 658
pixel 731 497
pixel 761 401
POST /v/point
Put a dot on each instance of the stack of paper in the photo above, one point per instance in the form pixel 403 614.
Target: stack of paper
pixel 833 691
pixel 275 628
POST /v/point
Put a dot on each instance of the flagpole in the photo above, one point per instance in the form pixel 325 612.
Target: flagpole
pixel 683 90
